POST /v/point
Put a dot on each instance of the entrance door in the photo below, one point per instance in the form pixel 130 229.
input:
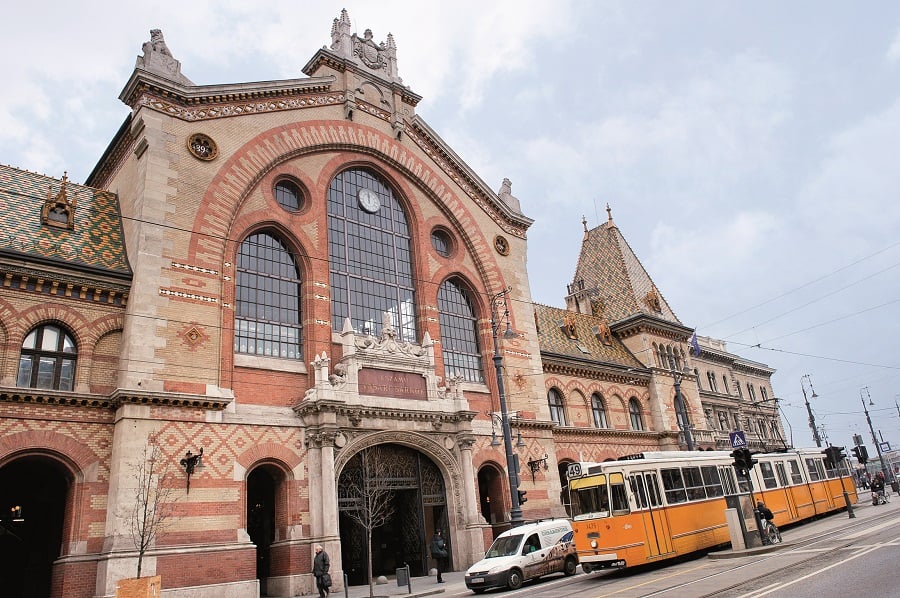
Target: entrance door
pixel 653 515
pixel 396 494
pixel 789 501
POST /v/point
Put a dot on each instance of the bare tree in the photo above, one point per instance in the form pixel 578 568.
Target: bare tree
pixel 152 506
pixel 369 492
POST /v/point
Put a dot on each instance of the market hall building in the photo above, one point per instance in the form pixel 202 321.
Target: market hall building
pixel 302 280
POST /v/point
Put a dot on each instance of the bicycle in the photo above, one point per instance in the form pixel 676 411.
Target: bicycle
pixel 771 533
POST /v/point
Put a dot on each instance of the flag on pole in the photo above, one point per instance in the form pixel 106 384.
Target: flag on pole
pixel 695 346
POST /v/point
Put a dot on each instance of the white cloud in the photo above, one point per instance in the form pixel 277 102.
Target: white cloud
pixel 893 53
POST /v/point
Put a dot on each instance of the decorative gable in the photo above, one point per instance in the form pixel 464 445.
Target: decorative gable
pixel 59 210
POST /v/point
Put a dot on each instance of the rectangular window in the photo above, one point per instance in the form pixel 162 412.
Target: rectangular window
pixel 590 498
pixel 814 467
pixel 782 476
pixel 617 494
pixel 693 483
pixel 796 476
pixel 768 474
pixel 711 481
pixel 673 485
pixel 726 474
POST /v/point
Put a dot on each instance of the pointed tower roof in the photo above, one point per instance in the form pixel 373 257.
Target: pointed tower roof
pixel 610 279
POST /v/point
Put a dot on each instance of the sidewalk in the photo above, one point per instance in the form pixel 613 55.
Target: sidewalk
pixel 455 583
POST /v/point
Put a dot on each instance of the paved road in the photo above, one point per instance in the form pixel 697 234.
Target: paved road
pixel 818 559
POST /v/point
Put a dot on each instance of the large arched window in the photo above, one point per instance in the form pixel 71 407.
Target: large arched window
pixel 47 359
pixel 634 412
pixel 459 333
pixel 557 412
pixel 598 410
pixel 369 256
pixel 267 305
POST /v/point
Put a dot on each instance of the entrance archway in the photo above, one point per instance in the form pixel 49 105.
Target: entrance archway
pixel 414 487
pixel 491 492
pixel 30 539
pixel 261 485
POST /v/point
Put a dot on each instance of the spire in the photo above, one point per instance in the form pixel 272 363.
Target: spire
pixel 609 222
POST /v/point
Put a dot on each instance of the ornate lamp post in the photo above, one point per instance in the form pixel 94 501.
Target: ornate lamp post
pixel 812 419
pixel 512 460
pixel 884 468
pixel 681 409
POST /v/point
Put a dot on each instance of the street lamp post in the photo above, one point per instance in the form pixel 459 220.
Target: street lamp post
pixel 812 419
pixel 884 469
pixel 685 423
pixel 512 460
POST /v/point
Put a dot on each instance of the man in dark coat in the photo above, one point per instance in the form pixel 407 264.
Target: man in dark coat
pixel 439 552
pixel 321 563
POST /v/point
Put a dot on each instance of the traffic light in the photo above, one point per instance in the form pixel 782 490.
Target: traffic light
pixel 748 459
pixel 522 498
pixel 833 456
pixel 738 456
pixel 861 454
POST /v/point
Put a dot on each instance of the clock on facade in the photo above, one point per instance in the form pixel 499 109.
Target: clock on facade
pixel 368 200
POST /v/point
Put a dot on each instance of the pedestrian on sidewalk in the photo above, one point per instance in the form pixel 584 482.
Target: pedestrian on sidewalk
pixel 439 552
pixel 321 564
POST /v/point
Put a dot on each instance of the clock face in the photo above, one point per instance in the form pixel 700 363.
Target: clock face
pixel 368 200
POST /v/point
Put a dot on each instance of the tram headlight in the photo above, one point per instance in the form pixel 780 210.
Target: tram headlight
pixel 594 544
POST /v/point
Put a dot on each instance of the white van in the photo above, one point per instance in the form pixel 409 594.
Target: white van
pixel 524 553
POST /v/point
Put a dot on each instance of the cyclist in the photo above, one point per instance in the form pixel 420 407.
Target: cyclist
pixel 878 495
pixel 773 536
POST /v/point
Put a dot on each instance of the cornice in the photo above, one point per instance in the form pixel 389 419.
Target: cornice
pixel 356 414
pixel 569 434
pixel 340 64
pixel 119 397
pixel 554 363
pixel 647 323
pixel 61 285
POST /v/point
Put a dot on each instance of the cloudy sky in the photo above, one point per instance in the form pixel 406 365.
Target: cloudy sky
pixel 744 147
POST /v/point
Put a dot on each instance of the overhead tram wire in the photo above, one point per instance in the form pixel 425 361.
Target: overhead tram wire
pixel 804 285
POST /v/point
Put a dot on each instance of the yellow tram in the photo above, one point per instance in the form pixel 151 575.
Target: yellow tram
pixel 658 505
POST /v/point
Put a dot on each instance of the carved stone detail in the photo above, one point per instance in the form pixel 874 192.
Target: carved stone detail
pixel 158 59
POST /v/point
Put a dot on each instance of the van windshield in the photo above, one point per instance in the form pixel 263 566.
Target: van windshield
pixel 506 546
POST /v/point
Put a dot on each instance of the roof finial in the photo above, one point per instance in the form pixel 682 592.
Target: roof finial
pixel 609 212
pixel 584 223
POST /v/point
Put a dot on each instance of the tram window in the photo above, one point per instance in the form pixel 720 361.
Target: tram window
pixel 693 483
pixel 782 476
pixel 673 485
pixel 814 467
pixel 653 490
pixel 636 481
pixel 768 474
pixel 618 494
pixel 743 480
pixel 727 476
pixel 711 481
pixel 590 501
pixel 796 476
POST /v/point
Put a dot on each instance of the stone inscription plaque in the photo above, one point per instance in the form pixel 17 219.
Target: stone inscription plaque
pixel 386 383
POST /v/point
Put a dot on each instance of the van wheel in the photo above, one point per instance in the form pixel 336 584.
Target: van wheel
pixel 570 567
pixel 514 579
pixel 479 590
pixel 586 567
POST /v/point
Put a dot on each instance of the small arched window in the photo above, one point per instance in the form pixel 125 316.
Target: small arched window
pixel 267 306
pixel 459 333
pixel 557 412
pixel 47 359
pixel 634 413
pixel 598 410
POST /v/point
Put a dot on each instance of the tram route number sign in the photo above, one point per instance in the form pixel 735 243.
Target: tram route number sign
pixel 738 440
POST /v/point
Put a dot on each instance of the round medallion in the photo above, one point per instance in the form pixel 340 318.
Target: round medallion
pixel 501 245
pixel 368 200
pixel 202 147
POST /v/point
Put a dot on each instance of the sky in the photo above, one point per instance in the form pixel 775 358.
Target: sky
pixel 743 147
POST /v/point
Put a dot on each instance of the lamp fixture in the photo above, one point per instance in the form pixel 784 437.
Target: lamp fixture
pixel 535 465
pixel 190 463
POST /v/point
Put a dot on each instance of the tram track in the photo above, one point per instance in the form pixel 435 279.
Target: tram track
pixel 809 543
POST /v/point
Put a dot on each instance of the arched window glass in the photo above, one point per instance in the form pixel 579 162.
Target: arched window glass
pixel 634 412
pixel 369 256
pixel 598 410
pixel 47 359
pixel 557 412
pixel 459 333
pixel 267 304
pixel 288 195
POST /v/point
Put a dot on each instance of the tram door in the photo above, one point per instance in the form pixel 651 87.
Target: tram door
pixel 789 501
pixel 645 485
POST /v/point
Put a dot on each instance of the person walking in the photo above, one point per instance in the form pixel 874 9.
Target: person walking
pixel 321 564
pixel 439 552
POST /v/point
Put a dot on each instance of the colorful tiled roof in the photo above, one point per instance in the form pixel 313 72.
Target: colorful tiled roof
pixel 96 241
pixel 585 345
pixel 612 273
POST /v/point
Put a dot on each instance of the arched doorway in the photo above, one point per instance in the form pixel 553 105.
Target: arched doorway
pixel 491 492
pixel 261 484
pixel 31 538
pixel 409 489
